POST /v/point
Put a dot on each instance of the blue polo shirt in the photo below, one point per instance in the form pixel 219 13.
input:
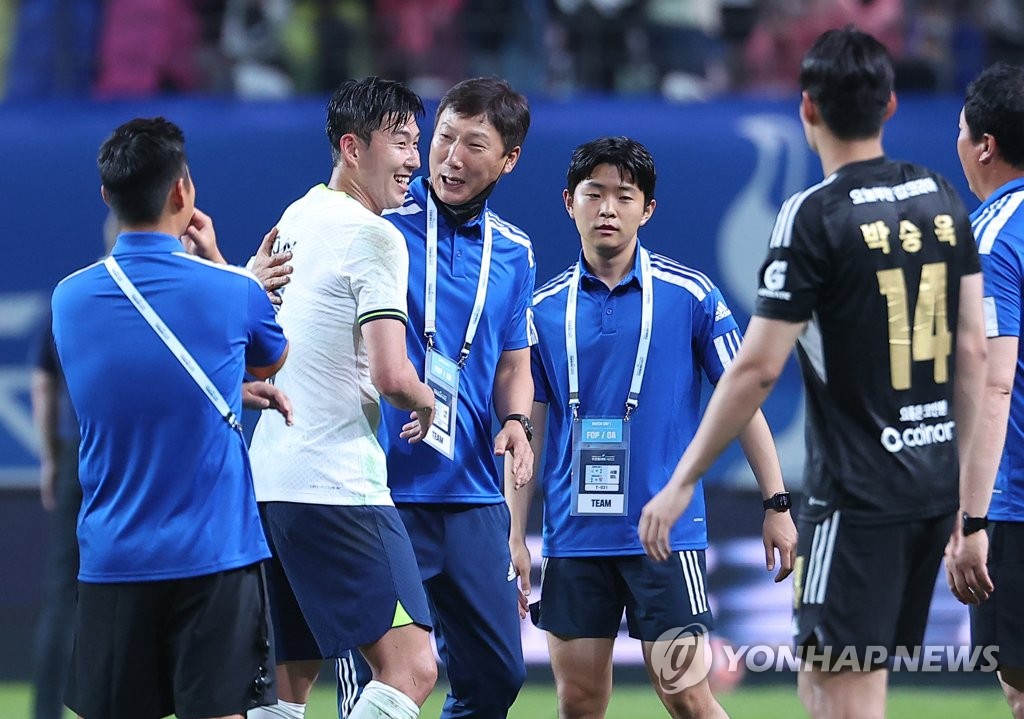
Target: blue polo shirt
pixel 417 472
pixel 998 226
pixel 693 334
pixel 167 489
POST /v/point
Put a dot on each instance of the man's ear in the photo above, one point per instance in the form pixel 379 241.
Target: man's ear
pixel 567 199
pixel 103 194
pixel 178 193
pixel 350 148
pixel 808 110
pixel 512 159
pixel 988 149
pixel 890 107
pixel 648 211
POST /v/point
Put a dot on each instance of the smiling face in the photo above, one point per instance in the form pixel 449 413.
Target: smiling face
pixel 386 164
pixel 608 209
pixel 466 155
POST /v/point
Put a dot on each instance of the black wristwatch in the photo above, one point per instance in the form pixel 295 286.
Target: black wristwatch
pixel 973 524
pixel 779 501
pixel 523 420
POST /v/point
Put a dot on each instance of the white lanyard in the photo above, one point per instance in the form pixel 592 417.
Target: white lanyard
pixel 430 296
pixel 172 342
pixel 642 350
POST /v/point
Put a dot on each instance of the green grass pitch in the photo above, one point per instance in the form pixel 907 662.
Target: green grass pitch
pixel 633 702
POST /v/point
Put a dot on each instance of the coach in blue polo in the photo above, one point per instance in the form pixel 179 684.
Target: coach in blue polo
pixel 624 337
pixel 154 343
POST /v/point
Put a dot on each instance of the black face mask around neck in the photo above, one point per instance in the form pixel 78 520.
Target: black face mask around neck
pixel 459 215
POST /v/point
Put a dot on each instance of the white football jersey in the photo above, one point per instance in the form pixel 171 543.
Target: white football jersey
pixel 350 266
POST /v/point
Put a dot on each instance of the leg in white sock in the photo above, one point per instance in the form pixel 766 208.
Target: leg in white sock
pixel 281 710
pixel 380 701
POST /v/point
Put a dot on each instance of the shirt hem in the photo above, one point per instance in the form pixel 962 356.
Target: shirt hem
pixel 446 498
pixel 364 500
pixel 628 552
pixel 171 574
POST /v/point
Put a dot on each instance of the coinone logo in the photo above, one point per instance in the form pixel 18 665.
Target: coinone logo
pixel 775 275
pixel 681 657
pixel 920 436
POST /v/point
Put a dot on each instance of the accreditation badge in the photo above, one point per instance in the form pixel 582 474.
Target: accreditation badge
pixel 600 466
pixel 442 376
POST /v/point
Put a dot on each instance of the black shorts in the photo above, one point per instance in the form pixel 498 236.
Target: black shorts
pixel 196 647
pixel 999 621
pixel 861 591
pixel 341 577
pixel 584 597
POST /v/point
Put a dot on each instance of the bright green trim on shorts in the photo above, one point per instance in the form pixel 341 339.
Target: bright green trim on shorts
pixel 402 617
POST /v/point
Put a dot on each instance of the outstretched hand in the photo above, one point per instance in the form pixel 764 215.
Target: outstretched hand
pixel 272 270
pixel 263 395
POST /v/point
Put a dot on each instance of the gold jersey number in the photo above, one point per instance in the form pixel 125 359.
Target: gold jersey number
pixel 930 338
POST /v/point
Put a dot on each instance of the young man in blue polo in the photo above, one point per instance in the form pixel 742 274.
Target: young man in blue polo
pixel 624 336
pixel 154 342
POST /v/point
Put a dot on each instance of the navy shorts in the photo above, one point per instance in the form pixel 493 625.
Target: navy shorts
pixel 860 589
pixel 584 597
pixel 341 577
pixel 998 621
pixel 196 647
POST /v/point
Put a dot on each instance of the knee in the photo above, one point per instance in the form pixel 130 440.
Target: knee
pixel 505 687
pixel 415 676
pixel 421 677
pixel 489 693
pixel 806 691
pixel 581 699
pixel 1016 701
pixel 692 703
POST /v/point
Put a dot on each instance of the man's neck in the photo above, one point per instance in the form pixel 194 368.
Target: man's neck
pixel 839 153
pixel 165 226
pixel 996 178
pixel 458 215
pixel 343 182
pixel 612 268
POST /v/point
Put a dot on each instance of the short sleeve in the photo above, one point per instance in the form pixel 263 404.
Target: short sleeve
pixel 716 336
pixel 520 332
pixel 795 269
pixel 377 263
pixel 266 338
pixel 541 390
pixel 1002 272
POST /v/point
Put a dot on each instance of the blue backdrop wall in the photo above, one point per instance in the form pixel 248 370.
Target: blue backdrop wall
pixel 723 170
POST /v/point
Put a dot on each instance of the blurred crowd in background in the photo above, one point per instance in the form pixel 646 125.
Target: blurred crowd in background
pixel 682 49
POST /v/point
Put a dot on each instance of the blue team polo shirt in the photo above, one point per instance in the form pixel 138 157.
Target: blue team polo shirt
pixel 998 226
pixel 167 489
pixel 693 334
pixel 418 473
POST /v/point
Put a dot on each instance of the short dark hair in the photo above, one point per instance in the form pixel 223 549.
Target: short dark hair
pixel 138 164
pixel 362 106
pixel 849 76
pixel 994 105
pixel 495 99
pixel 632 159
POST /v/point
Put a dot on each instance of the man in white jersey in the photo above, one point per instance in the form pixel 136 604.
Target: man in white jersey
pixel 344 574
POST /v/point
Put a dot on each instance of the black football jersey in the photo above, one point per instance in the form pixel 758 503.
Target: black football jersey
pixel 872 258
